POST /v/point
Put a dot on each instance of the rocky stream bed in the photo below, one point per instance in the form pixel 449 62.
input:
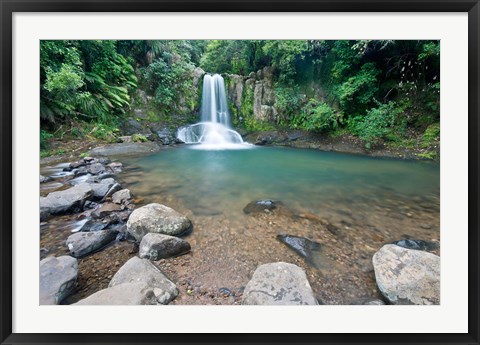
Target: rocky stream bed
pixel 115 247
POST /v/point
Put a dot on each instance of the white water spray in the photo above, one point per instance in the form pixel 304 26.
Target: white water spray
pixel 214 131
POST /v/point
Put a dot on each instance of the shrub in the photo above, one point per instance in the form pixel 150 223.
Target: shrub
pixel 139 138
pixel 288 102
pixel 318 116
pixel 431 135
pixel 104 132
pixel 378 122
pixel 44 137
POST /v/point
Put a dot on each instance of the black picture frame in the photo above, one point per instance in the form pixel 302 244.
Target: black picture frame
pixel 8 7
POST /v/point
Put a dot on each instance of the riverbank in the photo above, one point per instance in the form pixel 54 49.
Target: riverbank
pixel 345 143
pixel 342 142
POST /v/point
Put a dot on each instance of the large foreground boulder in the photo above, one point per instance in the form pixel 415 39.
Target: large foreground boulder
pixel 124 294
pixel 66 201
pixel 407 276
pixel 158 246
pixel 157 218
pixel 84 243
pixel 138 270
pixel 58 278
pixel 278 283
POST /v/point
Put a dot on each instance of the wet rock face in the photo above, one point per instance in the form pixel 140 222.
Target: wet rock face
pixel 58 278
pixel 157 218
pixel 124 294
pixel 157 246
pixel 417 245
pixel 279 283
pixel 66 201
pixel 406 276
pixel 142 270
pixel 83 243
pixel 260 206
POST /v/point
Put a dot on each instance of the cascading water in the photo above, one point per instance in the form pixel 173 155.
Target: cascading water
pixel 214 131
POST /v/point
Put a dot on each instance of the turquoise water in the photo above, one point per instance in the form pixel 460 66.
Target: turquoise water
pixel 225 181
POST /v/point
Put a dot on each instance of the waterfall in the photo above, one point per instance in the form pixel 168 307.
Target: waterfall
pixel 214 130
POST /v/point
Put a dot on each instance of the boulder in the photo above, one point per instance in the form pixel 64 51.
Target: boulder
pixel 101 187
pixel 158 246
pixel 124 294
pixel 121 196
pixel 58 278
pixel 66 201
pixel 76 165
pixel 157 218
pixel 106 209
pixel 279 283
pixel 417 245
pixel 166 136
pixel 407 276
pixel 302 246
pixel 94 225
pixel 44 179
pixel 138 270
pixel 96 168
pixel 84 243
pixel 115 167
pixel 115 188
pixel 88 159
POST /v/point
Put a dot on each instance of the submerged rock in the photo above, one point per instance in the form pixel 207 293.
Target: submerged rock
pixel 158 246
pixel 406 276
pixel 302 246
pixel 138 293
pixel 157 218
pixel 142 270
pixel 278 283
pixel 66 201
pixel 94 225
pixel 58 278
pixel 417 245
pixel 261 206
pixel 84 243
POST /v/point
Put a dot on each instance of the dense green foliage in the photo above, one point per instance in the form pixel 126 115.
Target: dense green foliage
pixel 377 87
pixel 83 79
pixel 380 91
